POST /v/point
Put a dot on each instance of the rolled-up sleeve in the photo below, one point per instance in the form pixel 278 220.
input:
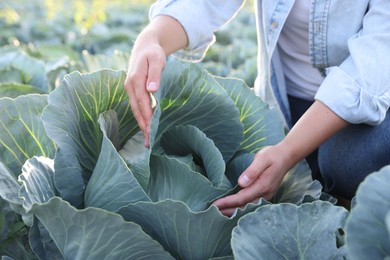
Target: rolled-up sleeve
pixel 359 89
pixel 199 18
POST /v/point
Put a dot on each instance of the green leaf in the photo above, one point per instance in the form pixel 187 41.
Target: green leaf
pixel 95 233
pixel 9 191
pixel 41 243
pixel 366 234
pixel 388 222
pixel 54 52
pixel 189 95
pixel 23 68
pixel 13 90
pixel 56 70
pixel 112 184
pixel 9 187
pixel 262 125
pixel 185 140
pixel 116 61
pixel 237 165
pixel 182 232
pixel 137 157
pixel 22 134
pixel 37 181
pixel 13 234
pixel 82 97
pixel 172 179
pixel 109 124
pixel 297 185
pixel 287 231
pixel 68 179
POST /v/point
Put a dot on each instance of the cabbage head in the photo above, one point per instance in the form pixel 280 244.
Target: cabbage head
pixel 74 167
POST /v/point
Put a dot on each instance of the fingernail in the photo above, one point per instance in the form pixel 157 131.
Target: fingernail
pixel 244 180
pixel 146 143
pixel 152 86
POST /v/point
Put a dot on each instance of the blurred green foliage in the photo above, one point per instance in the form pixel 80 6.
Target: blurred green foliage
pixel 109 27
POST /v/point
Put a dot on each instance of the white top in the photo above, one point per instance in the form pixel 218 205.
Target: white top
pixel 302 79
pixel 355 57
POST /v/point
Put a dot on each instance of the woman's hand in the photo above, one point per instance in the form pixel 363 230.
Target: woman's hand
pixel 163 36
pixel 261 179
pixel 143 77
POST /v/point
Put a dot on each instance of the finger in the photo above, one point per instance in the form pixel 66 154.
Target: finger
pixel 135 87
pixel 239 199
pixel 146 112
pixel 252 173
pixel 141 121
pixel 228 212
pixel 134 104
pixel 146 137
pixel 156 65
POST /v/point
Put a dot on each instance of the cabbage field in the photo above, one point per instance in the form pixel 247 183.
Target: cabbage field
pixel 76 181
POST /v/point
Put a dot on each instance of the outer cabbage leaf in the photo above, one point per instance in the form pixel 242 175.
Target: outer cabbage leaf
pixel 116 61
pixel 18 67
pixel 262 125
pixel 13 90
pixel 288 231
pixel 37 187
pixel 9 186
pixel 182 232
pixel 13 234
pixel 22 133
pixel 388 222
pixel 41 242
pixel 94 233
pixel 71 120
pixel 112 184
pixel 57 69
pixel 366 234
pixel 9 191
pixel 297 185
pixel 37 180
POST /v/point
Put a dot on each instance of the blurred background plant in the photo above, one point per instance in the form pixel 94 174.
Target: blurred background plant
pixel 92 34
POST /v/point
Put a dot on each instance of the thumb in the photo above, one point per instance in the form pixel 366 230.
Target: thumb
pixel 250 175
pixel 154 74
pixel 246 178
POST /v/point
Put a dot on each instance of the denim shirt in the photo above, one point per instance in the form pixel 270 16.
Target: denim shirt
pixel 349 43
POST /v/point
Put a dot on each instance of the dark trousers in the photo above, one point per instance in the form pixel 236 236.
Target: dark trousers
pixel 343 161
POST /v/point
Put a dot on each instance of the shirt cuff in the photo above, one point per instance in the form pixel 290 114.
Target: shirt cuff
pixel 350 101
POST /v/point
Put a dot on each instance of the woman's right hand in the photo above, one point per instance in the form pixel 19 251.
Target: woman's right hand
pixel 163 36
pixel 143 78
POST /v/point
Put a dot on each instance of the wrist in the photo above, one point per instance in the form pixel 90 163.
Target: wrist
pixel 289 152
pixel 146 37
pixel 165 32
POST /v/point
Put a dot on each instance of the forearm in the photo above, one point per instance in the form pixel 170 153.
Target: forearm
pixel 317 125
pixel 166 32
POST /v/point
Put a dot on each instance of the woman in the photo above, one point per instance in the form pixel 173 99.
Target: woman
pixel 324 63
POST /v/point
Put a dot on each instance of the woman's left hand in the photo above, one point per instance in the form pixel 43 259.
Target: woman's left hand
pixel 261 179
